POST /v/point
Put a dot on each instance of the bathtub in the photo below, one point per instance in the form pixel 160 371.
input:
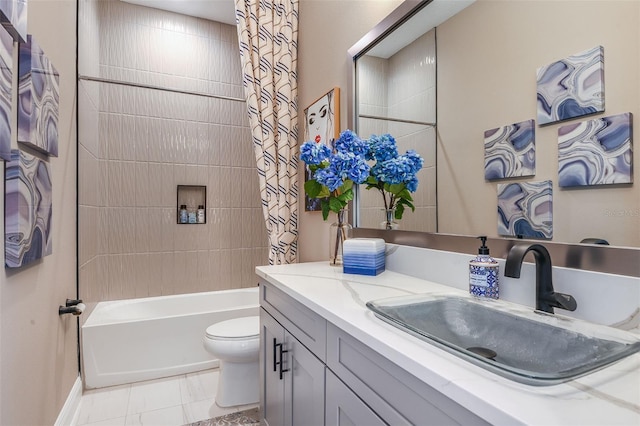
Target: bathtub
pixel 126 341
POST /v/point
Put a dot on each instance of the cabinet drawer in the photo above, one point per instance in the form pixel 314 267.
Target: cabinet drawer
pixel 304 324
pixel 398 397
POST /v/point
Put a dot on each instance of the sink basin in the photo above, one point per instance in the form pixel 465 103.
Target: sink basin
pixel 529 347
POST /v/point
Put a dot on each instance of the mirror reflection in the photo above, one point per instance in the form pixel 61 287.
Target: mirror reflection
pixel 396 92
pixel 484 74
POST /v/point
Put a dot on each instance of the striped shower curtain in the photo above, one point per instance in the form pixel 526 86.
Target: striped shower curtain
pixel 268 35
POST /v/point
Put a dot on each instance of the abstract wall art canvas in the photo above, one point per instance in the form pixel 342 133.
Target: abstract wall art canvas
pixel 38 99
pixel 510 151
pixel 525 209
pixel 596 152
pixel 571 87
pixel 28 209
pixel 13 16
pixel 6 78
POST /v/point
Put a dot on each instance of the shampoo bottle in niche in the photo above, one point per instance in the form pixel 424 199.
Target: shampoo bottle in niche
pixel 183 213
pixel 483 273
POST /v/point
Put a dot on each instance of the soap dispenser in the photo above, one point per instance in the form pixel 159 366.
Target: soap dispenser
pixel 483 273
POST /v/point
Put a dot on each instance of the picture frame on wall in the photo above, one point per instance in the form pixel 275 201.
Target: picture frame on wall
pixel 322 125
pixel 6 93
pixel 28 209
pixel 38 99
pixel 13 17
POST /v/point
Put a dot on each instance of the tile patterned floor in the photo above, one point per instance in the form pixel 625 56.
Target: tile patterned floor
pixel 172 401
pixel 241 418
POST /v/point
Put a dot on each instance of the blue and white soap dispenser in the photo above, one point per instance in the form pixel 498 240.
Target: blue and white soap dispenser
pixel 483 273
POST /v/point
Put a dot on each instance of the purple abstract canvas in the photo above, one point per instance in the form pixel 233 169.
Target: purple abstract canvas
pixel 510 151
pixel 38 99
pixel 6 77
pixel 596 152
pixel 13 16
pixel 525 209
pixel 571 87
pixel 28 209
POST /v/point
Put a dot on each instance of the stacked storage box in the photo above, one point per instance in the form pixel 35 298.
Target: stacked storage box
pixel 363 256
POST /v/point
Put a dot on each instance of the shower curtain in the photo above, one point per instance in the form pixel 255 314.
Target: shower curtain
pixel 268 36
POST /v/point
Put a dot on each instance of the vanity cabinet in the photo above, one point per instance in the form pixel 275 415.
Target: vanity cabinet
pixel 314 373
pixel 398 397
pixel 292 389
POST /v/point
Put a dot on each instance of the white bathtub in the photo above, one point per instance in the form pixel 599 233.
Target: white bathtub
pixel 140 339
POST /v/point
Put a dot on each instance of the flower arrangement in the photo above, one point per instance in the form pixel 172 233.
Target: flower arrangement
pixel 392 174
pixel 335 171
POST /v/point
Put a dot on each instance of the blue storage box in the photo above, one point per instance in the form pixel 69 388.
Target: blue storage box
pixel 363 256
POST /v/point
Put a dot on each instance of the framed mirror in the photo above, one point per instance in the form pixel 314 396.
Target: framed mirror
pixel 474 69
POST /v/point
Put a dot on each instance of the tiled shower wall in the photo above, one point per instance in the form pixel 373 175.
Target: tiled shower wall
pixel 403 86
pixel 136 144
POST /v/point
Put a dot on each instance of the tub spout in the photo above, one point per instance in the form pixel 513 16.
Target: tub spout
pixel 75 307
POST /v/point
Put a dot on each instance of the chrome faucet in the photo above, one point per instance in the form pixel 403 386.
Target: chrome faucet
pixel 546 298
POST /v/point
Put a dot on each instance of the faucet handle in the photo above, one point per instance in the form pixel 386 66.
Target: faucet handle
pixel 562 301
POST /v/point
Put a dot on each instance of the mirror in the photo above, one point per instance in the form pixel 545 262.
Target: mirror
pixel 485 77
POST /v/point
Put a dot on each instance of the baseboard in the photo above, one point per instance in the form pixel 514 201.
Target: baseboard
pixel 69 413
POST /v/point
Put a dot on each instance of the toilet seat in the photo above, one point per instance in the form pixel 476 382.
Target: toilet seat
pixel 235 329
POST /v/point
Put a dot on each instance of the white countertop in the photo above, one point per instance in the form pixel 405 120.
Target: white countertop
pixel 607 397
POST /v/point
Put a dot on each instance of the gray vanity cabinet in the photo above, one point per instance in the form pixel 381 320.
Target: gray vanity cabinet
pixel 314 373
pixel 292 389
pixel 344 408
pixel 398 397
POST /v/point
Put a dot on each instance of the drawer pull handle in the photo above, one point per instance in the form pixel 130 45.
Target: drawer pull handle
pixel 278 352
pixel 275 351
pixel 282 351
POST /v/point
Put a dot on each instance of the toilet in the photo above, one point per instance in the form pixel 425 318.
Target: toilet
pixel 236 344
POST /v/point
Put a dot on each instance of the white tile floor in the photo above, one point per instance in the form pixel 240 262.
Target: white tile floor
pixel 171 401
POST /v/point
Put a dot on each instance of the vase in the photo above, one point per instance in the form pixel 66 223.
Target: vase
pixel 389 220
pixel 338 232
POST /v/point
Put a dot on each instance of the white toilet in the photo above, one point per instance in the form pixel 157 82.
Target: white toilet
pixel 236 343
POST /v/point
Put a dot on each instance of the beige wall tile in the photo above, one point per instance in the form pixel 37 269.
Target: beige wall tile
pixel 149 141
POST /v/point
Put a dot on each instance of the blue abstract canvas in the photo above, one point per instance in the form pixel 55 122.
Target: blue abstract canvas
pixel 510 151
pixel 6 77
pixel 38 99
pixel 28 209
pixel 525 209
pixel 596 152
pixel 572 87
pixel 13 16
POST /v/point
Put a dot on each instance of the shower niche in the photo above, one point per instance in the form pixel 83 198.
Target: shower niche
pixel 191 204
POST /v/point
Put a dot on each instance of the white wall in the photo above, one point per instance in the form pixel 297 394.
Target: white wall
pixel 38 358
pixel 327 30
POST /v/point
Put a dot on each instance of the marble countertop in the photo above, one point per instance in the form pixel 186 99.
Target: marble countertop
pixel 610 396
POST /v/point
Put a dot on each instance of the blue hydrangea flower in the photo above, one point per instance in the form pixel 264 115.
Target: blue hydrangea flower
pixel 359 171
pixel 382 148
pixel 348 165
pixel 414 160
pixel 314 153
pixel 412 184
pixel 393 171
pixel 350 142
pixel 328 178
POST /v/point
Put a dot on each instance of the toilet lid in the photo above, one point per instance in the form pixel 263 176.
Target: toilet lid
pixel 237 328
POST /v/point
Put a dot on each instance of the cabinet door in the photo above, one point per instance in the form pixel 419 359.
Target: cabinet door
pixel 344 408
pixel 271 386
pixel 304 385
